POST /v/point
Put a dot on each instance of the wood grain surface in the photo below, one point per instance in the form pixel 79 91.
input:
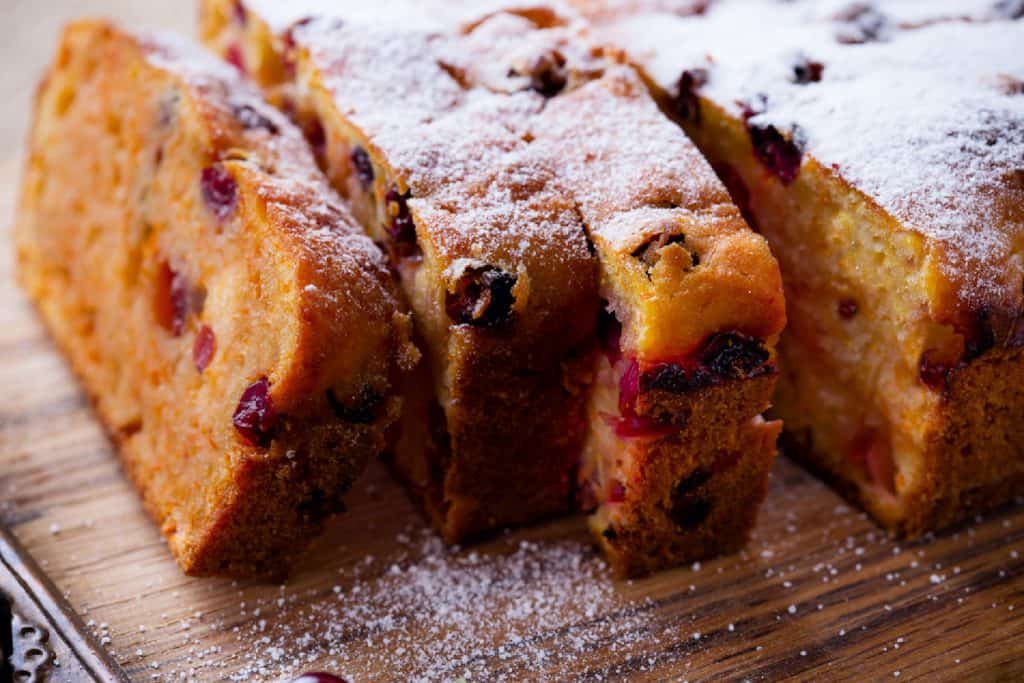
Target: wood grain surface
pixel 819 593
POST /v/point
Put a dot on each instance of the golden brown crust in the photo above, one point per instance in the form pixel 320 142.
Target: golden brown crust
pixel 222 258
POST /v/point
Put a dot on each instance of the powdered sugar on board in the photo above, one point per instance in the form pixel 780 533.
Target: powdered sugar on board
pixel 927 121
pixel 380 599
pixel 428 613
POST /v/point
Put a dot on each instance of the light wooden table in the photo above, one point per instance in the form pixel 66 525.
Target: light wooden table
pixel 820 593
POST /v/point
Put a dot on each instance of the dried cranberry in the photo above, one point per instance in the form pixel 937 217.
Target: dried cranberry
pixel 738 190
pixel 289 34
pixel 204 347
pixel 734 355
pixel 617 492
pixel 688 510
pixel 482 297
pixel 848 309
pixel 1009 9
pixel 319 677
pixel 932 371
pixel 675 378
pixel 363 167
pixel 781 156
pixel 547 73
pixel 807 70
pixel 609 331
pixel 861 23
pixel 724 356
pixel 693 481
pixel 252 119
pixel 254 418
pixel 235 57
pixel 362 411
pixel 239 13
pixel 629 424
pixel 402 231
pixel 220 191
pixel 695 8
pixel 687 101
pixel 172 301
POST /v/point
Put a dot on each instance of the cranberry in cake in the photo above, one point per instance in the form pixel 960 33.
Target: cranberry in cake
pixel 879 148
pixel 213 294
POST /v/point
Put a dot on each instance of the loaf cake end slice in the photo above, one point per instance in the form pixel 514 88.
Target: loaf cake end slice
pixel 879 149
pixel 239 336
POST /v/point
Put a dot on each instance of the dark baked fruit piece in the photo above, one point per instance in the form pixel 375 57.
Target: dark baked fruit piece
pixel 880 152
pixel 487 244
pixel 238 334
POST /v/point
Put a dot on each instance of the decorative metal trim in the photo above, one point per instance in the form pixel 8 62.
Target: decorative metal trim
pixel 42 640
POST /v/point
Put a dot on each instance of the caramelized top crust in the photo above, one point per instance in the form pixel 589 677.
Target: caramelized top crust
pixel 347 282
pixel 916 105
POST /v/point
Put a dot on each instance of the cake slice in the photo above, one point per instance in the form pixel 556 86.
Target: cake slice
pixel 676 457
pixel 880 149
pixel 239 336
pixel 488 246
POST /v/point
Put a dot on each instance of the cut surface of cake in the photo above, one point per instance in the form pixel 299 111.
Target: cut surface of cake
pixel 675 456
pixel 240 337
pixel 880 149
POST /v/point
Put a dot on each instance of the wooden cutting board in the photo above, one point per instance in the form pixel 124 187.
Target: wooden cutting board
pixel 819 593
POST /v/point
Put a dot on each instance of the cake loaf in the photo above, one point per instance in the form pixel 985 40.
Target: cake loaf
pixel 238 334
pixel 688 300
pixel 880 149
pixel 488 246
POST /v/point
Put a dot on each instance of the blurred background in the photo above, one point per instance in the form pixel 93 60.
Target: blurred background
pixel 30 38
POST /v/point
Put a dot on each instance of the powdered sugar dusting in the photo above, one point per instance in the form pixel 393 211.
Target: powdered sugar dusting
pixel 458 146
pixel 434 614
pixel 921 120
pixel 297 196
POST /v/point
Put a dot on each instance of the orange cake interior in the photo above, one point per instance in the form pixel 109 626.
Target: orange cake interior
pixel 238 334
